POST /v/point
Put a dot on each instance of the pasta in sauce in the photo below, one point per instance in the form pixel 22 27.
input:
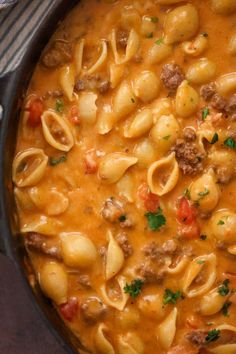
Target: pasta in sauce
pixel 124 175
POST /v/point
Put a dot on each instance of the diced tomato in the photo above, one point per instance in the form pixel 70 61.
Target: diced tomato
pixel 35 110
pixel 150 200
pixel 74 115
pixel 189 231
pixel 69 309
pixel 186 212
pixel 91 164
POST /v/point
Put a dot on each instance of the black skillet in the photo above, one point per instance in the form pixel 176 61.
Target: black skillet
pixel 12 88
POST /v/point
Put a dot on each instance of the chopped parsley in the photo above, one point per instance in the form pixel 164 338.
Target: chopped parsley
pixel 122 218
pixel 149 35
pixel 224 288
pixel 230 143
pixel 171 297
pixel 214 139
pixel 154 19
pixel 134 288
pixel 53 161
pixel 167 137
pixel 155 220
pixel 220 222
pixel 203 237
pixel 59 106
pixel 212 335
pixel 205 113
pixel 159 41
pixel 200 261
pixel 204 193
pixel 132 100
pixel 225 309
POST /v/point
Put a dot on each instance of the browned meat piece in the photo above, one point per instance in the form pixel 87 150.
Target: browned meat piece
pixel 96 82
pixel 197 338
pixel 112 210
pixel 189 134
pixel 38 243
pixel 218 102
pixel 102 251
pixel 188 157
pixel 226 337
pixel 122 38
pixel 58 53
pixel 53 94
pixel 123 241
pixel 84 280
pixel 231 106
pixel 172 75
pixel 127 223
pixel 208 91
pixel 170 247
pixel 93 310
pixel 158 253
pixel 150 275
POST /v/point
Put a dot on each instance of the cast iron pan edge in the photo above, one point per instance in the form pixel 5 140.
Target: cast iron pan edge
pixel 12 87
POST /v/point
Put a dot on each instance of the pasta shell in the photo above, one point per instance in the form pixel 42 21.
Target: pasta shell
pixel 197 46
pixel 56 131
pixel 223 225
pixel 23 200
pixel 131 48
pixel 102 345
pixel 146 153
pixel 43 225
pixel 78 56
pixel 181 265
pixel 106 120
pixel 187 100
pixel 124 101
pixel 112 166
pixel 167 329
pixel 161 107
pixel 201 71
pixel 29 167
pixel 67 81
pixel 181 24
pixel 120 302
pixel 54 282
pixel 125 187
pixel 114 258
pixel 226 84
pixel 146 86
pixel 141 124
pixel 158 52
pixel 101 60
pixel 223 7
pixel 194 269
pixel 224 348
pixel 116 74
pixel 212 302
pixel 163 175
pixel 51 201
pixel 87 107
pixel 232 250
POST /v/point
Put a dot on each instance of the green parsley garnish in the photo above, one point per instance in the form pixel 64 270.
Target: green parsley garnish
pixel 134 288
pixel 187 193
pixel 122 218
pixel 155 220
pixel 171 297
pixel 53 161
pixel 154 19
pixel 166 137
pixel 224 288
pixel 59 106
pixel 203 237
pixel 212 335
pixel 149 35
pixel 159 41
pixel 225 309
pixel 200 261
pixel 132 99
pixel 220 222
pixel 230 143
pixel 204 193
pixel 205 113
pixel 214 139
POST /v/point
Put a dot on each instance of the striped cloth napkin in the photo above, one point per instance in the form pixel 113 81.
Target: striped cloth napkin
pixel 19 20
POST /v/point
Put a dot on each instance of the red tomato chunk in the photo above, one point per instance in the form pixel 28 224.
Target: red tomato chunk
pixel 35 110
pixel 69 309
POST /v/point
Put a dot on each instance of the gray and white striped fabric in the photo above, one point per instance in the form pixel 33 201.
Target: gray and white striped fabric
pixel 19 20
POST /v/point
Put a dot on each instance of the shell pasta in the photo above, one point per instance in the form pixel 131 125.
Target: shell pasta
pixel 124 175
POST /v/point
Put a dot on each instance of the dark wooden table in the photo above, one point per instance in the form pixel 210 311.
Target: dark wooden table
pixel 22 331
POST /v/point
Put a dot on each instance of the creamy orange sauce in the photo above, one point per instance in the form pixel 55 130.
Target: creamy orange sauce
pixel 85 193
